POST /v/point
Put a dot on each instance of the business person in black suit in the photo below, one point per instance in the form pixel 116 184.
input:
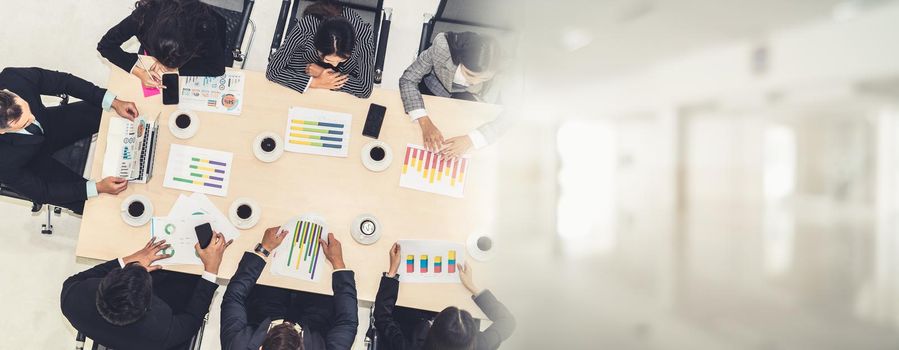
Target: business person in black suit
pixel 30 133
pixel 451 329
pixel 129 303
pixel 269 318
pixel 186 36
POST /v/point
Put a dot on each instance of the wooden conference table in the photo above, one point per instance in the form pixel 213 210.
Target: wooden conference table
pixel 338 189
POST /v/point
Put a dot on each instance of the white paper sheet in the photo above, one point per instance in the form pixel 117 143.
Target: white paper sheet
pixel 300 255
pixel 427 171
pixel 222 94
pixel 314 131
pixel 198 170
pixel 427 261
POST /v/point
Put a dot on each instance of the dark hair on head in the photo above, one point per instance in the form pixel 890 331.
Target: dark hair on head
pixel 453 329
pixel 171 36
pixel 477 52
pixel 335 36
pixel 124 295
pixel 283 337
pixel 323 9
pixel 9 110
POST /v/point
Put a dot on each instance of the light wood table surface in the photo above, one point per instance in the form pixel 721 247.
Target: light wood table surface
pixel 338 189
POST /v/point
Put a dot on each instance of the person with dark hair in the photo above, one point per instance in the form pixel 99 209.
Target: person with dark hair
pixel 256 316
pixel 450 329
pixel 186 36
pixel 129 303
pixel 30 133
pixel 330 47
pixel 457 65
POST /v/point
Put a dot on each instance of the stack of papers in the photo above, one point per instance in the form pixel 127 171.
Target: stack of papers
pixel 178 228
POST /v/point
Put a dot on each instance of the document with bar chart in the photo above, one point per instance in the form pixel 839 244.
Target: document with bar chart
pixel 427 171
pixel 198 170
pixel 300 255
pixel 425 261
pixel 222 94
pixel 319 132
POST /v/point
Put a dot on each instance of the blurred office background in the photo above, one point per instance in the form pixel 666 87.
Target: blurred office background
pixel 704 174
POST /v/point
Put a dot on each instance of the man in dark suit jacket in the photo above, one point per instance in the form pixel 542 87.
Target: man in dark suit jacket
pixel 30 133
pixel 450 329
pixel 118 303
pixel 248 310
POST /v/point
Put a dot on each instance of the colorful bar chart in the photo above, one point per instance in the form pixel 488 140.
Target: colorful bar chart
pixel 198 170
pixel 319 132
pixel 300 254
pixel 223 94
pixel 427 171
pixel 436 261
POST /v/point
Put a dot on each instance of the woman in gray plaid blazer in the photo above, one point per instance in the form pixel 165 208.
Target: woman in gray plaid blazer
pixel 457 65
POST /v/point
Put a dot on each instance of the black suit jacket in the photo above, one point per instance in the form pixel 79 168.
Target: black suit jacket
pixel 210 59
pixel 392 337
pixel 17 150
pixel 237 334
pixel 157 329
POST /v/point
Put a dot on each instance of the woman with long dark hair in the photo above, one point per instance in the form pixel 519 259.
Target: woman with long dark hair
pixel 330 47
pixel 186 36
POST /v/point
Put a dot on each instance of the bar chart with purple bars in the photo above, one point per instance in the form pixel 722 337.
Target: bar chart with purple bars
pixel 300 255
pixel 198 170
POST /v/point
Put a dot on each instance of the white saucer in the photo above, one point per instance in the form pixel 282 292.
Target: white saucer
pixel 184 133
pixel 366 229
pixel 248 223
pixel 264 156
pixel 141 220
pixel 477 253
pixel 373 165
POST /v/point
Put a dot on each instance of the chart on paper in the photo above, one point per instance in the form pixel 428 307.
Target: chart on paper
pixel 223 94
pixel 427 171
pixel 198 170
pixel 319 132
pixel 427 261
pixel 300 254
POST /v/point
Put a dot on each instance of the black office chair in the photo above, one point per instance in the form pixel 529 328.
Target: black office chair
pixel 372 11
pixel 494 18
pixel 371 335
pixel 74 157
pixel 237 18
pixel 195 342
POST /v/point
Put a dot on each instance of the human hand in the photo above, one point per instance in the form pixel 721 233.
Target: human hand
pixel 148 254
pixel 272 238
pixel 455 147
pixel 112 185
pixel 430 135
pixel 211 256
pixel 329 79
pixel 465 274
pixel 314 70
pixel 125 109
pixel 148 78
pixel 333 251
pixel 395 260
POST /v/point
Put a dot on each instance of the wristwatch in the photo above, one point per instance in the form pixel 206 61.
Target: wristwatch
pixel 261 250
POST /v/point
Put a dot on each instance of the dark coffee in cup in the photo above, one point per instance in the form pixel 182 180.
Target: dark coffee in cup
pixel 268 144
pixel 136 209
pixel 244 211
pixel 485 243
pixel 182 121
pixel 377 153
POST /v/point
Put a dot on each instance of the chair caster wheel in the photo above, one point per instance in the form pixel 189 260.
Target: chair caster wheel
pixel 57 210
pixel 47 229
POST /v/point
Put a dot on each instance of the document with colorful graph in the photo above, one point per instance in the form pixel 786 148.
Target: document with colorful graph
pixel 427 171
pixel 300 255
pixel 319 132
pixel 425 261
pixel 222 94
pixel 198 170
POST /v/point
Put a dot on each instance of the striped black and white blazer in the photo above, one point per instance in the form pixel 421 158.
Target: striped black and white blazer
pixel 287 66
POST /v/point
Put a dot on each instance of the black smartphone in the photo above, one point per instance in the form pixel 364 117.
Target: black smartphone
pixel 374 120
pixel 170 93
pixel 204 234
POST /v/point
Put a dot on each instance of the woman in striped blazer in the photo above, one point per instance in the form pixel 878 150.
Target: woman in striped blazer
pixel 330 47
